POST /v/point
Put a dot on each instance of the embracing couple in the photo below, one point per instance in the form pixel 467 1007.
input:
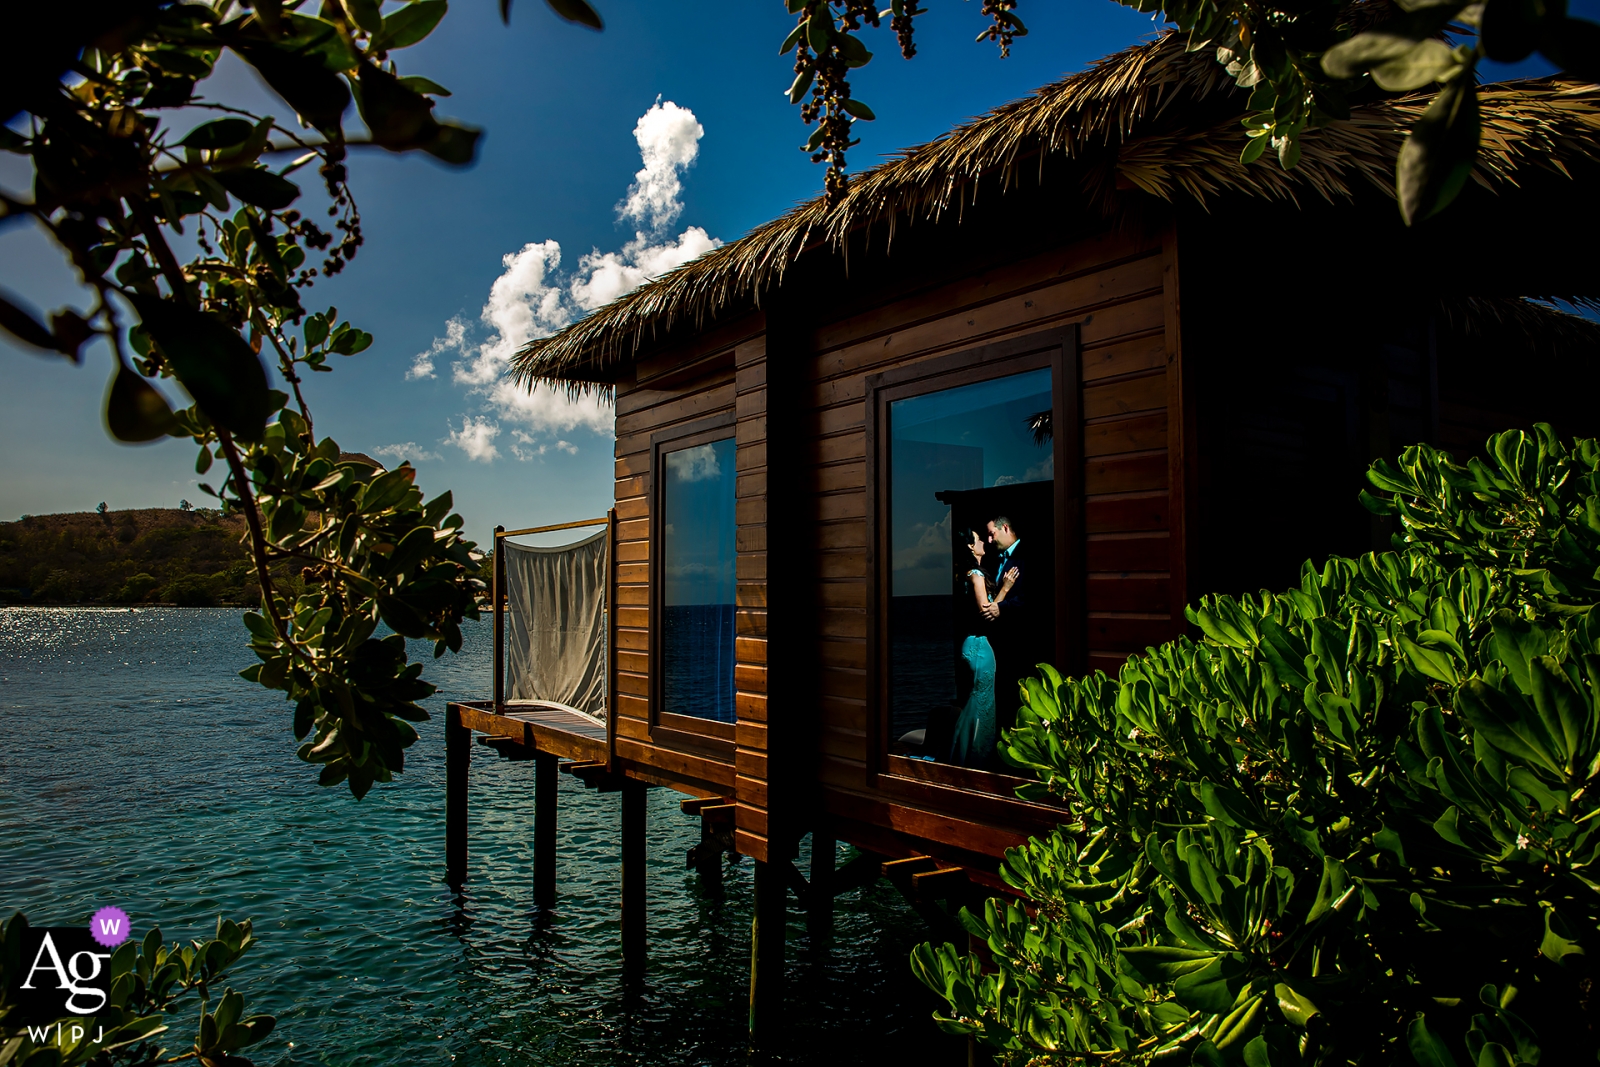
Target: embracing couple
pixel 990 614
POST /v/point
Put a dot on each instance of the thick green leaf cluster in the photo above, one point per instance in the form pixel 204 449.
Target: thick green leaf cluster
pixel 148 981
pixel 1352 823
pixel 371 551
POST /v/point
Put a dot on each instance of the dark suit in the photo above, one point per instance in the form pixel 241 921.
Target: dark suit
pixel 1011 637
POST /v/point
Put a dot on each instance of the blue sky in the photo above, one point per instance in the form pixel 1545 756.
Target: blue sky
pixel 559 105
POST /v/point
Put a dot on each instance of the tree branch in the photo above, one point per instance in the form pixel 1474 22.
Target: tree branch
pixel 258 537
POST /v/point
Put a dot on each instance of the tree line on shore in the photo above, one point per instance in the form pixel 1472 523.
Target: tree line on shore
pixel 190 557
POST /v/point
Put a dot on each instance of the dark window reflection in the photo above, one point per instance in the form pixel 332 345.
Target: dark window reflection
pixel 971 476
pixel 697 557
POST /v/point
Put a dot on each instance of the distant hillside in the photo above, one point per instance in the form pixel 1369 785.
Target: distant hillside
pixel 150 556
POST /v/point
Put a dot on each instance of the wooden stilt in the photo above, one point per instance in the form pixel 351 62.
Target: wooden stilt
pixel 820 916
pixel 545 769
pixel 457 765
pixel 633 858
pixel 498 591
pixel 767 937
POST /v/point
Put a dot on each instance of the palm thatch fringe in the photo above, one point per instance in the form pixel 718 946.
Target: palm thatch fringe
pixel 1521 319
pixel 1130 121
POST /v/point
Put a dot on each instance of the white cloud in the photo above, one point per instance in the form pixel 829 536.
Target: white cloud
pixel 549 411
pixel 408 450
pixel 669 140
pixel 476 439
pixel 534 298
pixel 422 363
pixel 697 464
pixel 535 449
pixel 603 276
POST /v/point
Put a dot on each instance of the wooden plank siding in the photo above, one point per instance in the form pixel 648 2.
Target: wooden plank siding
pixel 750 612
pixel 796 394
pixel 1118 289
pixel 643 750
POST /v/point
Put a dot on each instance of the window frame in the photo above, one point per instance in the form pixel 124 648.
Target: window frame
pixel 701 736
pixel 1059 350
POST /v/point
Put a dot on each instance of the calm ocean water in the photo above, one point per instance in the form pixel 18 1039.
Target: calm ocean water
pixel 136 769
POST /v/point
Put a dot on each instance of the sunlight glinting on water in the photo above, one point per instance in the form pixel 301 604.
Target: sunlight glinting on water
pixel 137 769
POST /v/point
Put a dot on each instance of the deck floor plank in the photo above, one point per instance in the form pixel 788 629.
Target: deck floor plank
pixel 547 729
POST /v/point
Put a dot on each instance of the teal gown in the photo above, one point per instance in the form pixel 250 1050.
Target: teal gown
pixel 973 741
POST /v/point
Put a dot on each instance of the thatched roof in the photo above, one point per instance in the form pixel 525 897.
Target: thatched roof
pixel 1153 117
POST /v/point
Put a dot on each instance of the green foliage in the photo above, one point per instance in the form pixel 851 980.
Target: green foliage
pixel 148 981
pixel 371 550
pixel 1354 817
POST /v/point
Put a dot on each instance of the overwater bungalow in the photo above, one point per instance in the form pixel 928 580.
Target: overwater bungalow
pixel 1077 329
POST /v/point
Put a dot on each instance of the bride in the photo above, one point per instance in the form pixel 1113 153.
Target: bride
pixel 972 744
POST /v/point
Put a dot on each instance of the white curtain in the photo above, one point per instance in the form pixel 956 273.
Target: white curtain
pixel 556 624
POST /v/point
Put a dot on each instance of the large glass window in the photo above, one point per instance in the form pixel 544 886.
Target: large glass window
pixel 697 581
pixel 972 538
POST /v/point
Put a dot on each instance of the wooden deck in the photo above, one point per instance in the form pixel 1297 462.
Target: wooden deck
pixel 539 727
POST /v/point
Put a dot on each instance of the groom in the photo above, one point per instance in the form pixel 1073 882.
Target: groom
pixel 1009 621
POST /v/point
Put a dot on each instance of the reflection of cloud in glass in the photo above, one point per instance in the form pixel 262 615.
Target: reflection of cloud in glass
pixel 931 549
pixel 697 464
pixel 698 570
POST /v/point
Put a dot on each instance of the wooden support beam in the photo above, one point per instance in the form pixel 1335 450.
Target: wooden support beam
pixel 797 884
pixel 718 814
pixel 457 766
pixel 497 590
pixel 544 830
pixel 864 869
pixel 768 930
pixel 693 805
pixel 594 774
pixel 946 883
pixel 510 748
pixel 820 913
pixel 716 838
pixel 895 870
pixel 633 880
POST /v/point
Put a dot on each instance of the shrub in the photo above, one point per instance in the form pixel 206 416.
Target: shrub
pixel 1352 823
pixel 137 588
pixel 60 586
pixel 192 591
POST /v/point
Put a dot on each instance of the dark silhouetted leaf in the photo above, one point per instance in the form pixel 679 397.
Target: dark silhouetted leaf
pixel 260 187
pixel 213 363
pixel 221 133
pixel 305 83
pixel 456 145
pixel 365 13
pixel 1574 46
pixel 24 327
pixel 418 84
pixel 410 24
pixel 72 332
pixel 135 411
pixel 1426 1047
pixel 1509 29
pixel 398 118
pixel 1437 158
pixel 577 11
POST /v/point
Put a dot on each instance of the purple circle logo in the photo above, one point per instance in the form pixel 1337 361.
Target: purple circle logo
pixel 110 927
